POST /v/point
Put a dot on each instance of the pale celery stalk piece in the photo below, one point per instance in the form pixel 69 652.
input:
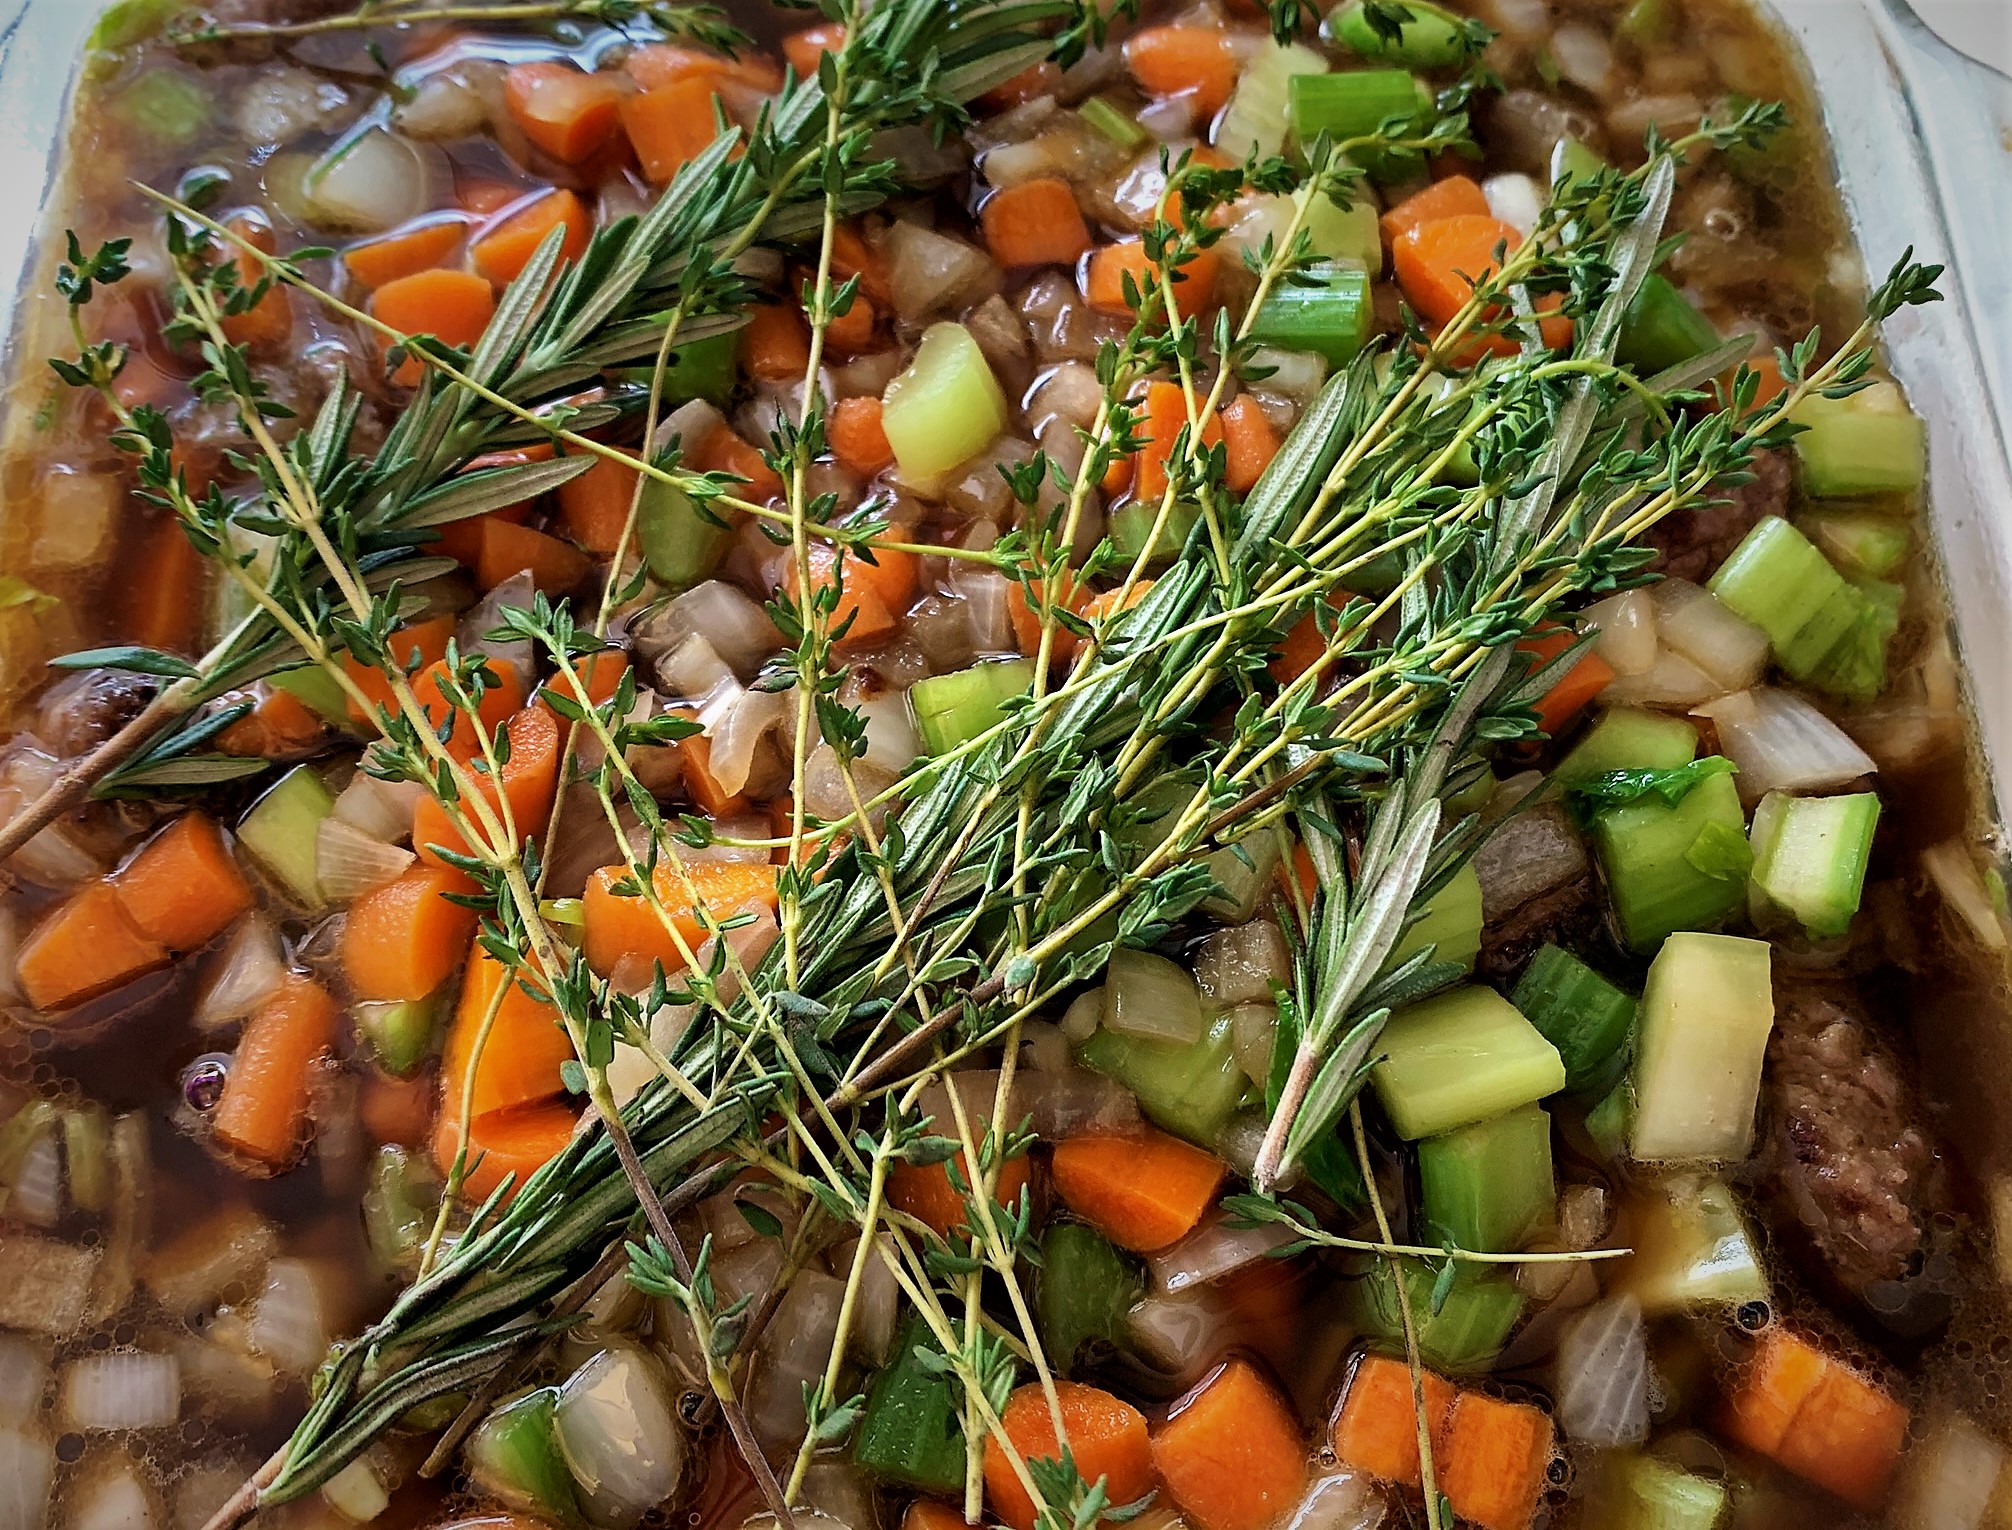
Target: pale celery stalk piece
pixel 1458 1058
pixel 1707 1009
pixel 1692 1248
pixel 1255 119
pixel 1451 922
pixel 946 408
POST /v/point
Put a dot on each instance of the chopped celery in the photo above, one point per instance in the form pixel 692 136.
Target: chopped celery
pixel 1675 866
pixel 680 544
pixel 1707 1008
pixel 1190 1091
pixel 1869 443
pixel 1777 580
pixel 955 708
pixel 169 108
pixel 1624 738
pixel 1458 1058
pixel 1662 328
pixel 1427 36
pixel 1132 528
pixel 1581 1014
pixel 1643 1493
pixel 87 1156
pixel 317 690
pixel 1350 105
pixel 706 369
pixel 397 1210
pixel 1323 309
pixel 279 832
pixel 1115 123
pixel 401 1032
pixel 1691 1246
pixel 946 408
pixel 1474 796
pixel 1648 23
pixel 1244 870
pixel 909 1432
pixel 1810 855
pixel 1573 160
pixel 1609 1122
pixel 1859 541
pixel 1086 1288
pixel 513 1456
pixel 1855 666
pixel 1489 1186
pixel 1254 122
pixel 1450 921
pixel 1147 995
pixel 1348 233
pixel 131 21
pixel 1467 1331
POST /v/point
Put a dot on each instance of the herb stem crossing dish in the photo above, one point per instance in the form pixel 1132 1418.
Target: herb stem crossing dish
pixel 987 763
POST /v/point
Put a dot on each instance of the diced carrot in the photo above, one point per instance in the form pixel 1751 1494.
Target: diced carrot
pixel 1494 1464
pixel 1037 79
pixel 851 255
pixel 453 306
pixel 672 124
pixel 1299 651
pixel 1106 1435
pixel 1303 874
pixel 724 452
pixel 183 887
pixel 657 64
pixel 856 436
pixel 601 674
pixel 775 344
pixel 498 702
pixel 1572 694
pixel 1141 1192
pixel 928 1514
pixel 925 1191
pixel 850 333
pixel 506 245
pixel 82 948
pixel 619 925
pixel 502 550
pixel 425 639
pixel 1178 60
pixel 1231 1455
pixel 1162 418
pixel 1438 263
pixel 1036 223
pixel 701 785
pixel 280 726
pixel 530 781
pixel 1108 603
pixel 802 50
pixel 1819 1418
pixel 483 197
pixel 166 609
pixel 1454 197
pixel 397 1111
pixel 405 252
pixel 1250 443
pixel 1104 285
pixel 567 113
pixel 462 540
pixel 519 1063
pixel 1377 1429
pixel 870 592
pixel 512 456
pixel 511 1142
pixel 1767 369
pixel 403 939
pixel 595 506
pixel 263 1112
pixel 1117 479
pixel 1069 596
pixel 269 321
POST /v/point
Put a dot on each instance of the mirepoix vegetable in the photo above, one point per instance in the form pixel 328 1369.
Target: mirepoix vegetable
pixel 280 830
pixel 1459 1058
pixel 1662 328
pixel 1086 1288
pixel 1460 1335
pixel 1488 1186
pixel 955 708
pixel 1823 629
pixel 1627 738
pixel 909 1431
pixel 1255 119
pixel 1324 309
pixel 1692 1248
pixel 1810 855
pixel 1707 1009
pixel 1350 105
pixel 1191 1089
pixel 1450 923
pixel 1675 866
pixel 946 407
pixel 1428 36
pixel 1579 1012
pixel 1867 443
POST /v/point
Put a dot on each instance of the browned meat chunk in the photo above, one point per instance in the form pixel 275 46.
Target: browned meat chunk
pixel 1570 915
pixel 1846 1156
pixel 83 711
pixel 1693 543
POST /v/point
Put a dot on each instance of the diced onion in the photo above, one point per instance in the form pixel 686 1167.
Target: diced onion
pixel 1949 1479
pixel 350 863
pixel 1179 1335
pixel 1213 1250
pixel 620 1436
pixel 1014 163
pixel 1339 1500
pixel 1239 965
pixel 357 1492
pixel 1084 1014
pixel 738 629
pixel 1955 876
pixel 986 614
pixel 1253 1033
pixel 486 618
pixel 27 1467
pixel 794 1350
pixel 382 809
pixel 1295 374
pixel 372 182
pixel 1626 624
pixel 1531 853
pixel 1584 57
pixel 891 741
pixel 1672 681
pixel 440 105
pixel 876 1309
pixel 24 1377
pixel 291 1326
pixel 114 1497
pixel 1695 624
pixel 37 1194
pixel 1514 199
pixel 1603 1375
pixel 1076 1101
pixel 1781 743
pixel 127 1389
pixel 694 672
pixel 74 529
pixel 924 157
pixel 1043 1047
pixel 932 273
pixel 1149 997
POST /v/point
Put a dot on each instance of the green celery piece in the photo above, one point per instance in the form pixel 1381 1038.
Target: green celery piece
pixel 946 408
pixel 1662 328
pixel 1324 309
pixel 1350 105
pixel 1255 120
pixel 1351 233
pixel 1648 23
pixel 679 544
pixel 1131 525
pixel 1855 666
pixel 910 1431
pixel 1626 738
pixel 1489 1186
pixel 1086 1288
pixel 280 832
pixel 1245 871
pixel 131 21
pixel 317 690
pixel 1580 1013
pixel 514 1456
pixel 1707 1009
pixel 400 1033
pixel 1609 1122
pixel 1646 851
pixel 1191 1091
pixel 1573 160
pixel 1460 1057
pixel 1810 855
pixel 1116 124
pixel 1466 1333
pixel 1835 629
pixel 1472 798
pixel 1859 541
pixel 1648 1494
pixel 169 108
pixel 1451 921
pixel 955 708
pixel 1860 445
pixel 707 369
pixel 1692 1248
pixel 1778 580
pixel 87 1156
pixel 1428 38
pixel 397 1210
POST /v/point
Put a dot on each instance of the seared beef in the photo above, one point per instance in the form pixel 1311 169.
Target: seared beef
pixel 1847 1159
pixel 83 711
pixel 1692 543
pixel 1569 915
